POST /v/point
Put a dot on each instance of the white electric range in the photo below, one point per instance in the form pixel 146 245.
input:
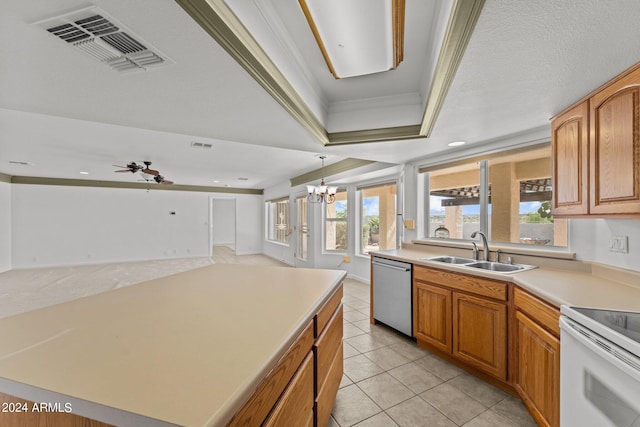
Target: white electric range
pixel 599 368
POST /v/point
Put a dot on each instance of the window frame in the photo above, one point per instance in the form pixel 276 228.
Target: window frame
pixel 359 251
pixel 346 220
pixel 424 191
pixel 271 222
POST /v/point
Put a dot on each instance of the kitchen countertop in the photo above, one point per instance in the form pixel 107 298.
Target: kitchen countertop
pixel 187 349
pixel 556 286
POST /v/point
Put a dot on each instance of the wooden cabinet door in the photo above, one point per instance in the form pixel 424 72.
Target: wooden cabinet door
pixel 615 147
pixel 480 333
pixel 538 372
pixel 570 157
pixel 432 315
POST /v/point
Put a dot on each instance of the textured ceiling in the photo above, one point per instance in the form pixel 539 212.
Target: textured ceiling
pixel 65 113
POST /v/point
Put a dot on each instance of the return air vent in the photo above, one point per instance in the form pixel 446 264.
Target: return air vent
pixel 100 36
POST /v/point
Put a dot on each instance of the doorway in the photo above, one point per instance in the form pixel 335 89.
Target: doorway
pixel 222 225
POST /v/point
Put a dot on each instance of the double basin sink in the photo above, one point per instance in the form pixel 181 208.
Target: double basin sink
pixel 496 267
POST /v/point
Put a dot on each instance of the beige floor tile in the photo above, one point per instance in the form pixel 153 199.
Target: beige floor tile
pixel 457 406
pixel 514 410
pixel 415 412
pixel 385 390
pixel 386 358
pixel 439 367
pixel 358 368
pixel 352 406
pixel 490 419
pixel 365 342
pixel 351 330
pixel 347 308
pixel 480 390
pixel 354 316
pixel 332 423
pixel 417 379
pixel 348 351
pixel 364 324
pixel 345 381
pixel 379 420
pixel 409 350
pixel 359 304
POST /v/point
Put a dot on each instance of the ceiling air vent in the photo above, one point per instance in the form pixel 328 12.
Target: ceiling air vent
pixel 100 36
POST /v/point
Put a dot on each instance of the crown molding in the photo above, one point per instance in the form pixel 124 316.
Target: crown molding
pixel 215 17
pixel 5 178
pixel 35 180
pixel 332 169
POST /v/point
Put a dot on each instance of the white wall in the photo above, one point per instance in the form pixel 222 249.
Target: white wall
pixel 223 221
pixel 5 226
pixel 56 225
pixel 589 239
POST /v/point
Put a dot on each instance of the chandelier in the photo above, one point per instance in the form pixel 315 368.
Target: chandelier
pixel 321 193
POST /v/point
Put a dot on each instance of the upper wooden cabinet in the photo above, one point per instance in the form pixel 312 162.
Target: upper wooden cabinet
pixel 596 151
pixel 570 154
pixel 615 148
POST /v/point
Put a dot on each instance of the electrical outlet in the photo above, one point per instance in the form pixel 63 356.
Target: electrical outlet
pixel 347 258
pixel 619 244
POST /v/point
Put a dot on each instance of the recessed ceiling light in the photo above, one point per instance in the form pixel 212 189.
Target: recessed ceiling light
pixel 84 173
pixel 456 143
pixel 216 181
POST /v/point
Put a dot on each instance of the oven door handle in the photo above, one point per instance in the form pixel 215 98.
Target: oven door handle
pixel 611 352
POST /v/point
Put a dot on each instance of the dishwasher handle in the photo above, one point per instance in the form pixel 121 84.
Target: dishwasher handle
pixel 381 264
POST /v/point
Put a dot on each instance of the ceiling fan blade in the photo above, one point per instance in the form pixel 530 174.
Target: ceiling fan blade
pixel 166 182
pixel 124 170
pixel 150 171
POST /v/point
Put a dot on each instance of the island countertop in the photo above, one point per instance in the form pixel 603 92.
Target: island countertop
pixel 187 349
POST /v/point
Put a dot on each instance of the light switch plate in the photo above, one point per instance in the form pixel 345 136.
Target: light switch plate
pixel 619 244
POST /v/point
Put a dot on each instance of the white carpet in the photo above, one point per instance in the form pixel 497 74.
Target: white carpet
pixel 29 289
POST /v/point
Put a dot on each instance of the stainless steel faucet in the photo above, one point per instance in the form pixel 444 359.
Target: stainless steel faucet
pixel 484 243
pixel 475 251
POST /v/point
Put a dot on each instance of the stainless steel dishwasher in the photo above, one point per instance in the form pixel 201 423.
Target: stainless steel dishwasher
pixel 392 294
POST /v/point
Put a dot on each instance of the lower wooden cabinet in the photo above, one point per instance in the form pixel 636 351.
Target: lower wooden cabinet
pixel 480 333
pixel 295 406
pixel 432 315
pixel 537 378
pixel 463 316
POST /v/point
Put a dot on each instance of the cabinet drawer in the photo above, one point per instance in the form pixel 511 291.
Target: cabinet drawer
pixel 260 404
pixel 326 396
pixel 475 285
pixel 325 313
pixel 326 347
pixel 543 313
pixel 295 407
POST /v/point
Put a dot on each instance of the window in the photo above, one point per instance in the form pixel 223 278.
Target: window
pixel 378 217
pixel 278 225
pixel 517 187
pixel 302 239
pixel 335 226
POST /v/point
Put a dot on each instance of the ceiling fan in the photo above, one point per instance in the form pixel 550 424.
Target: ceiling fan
pixel 147 173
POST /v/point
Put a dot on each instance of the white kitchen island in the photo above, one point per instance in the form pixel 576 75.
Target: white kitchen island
pixel 188 349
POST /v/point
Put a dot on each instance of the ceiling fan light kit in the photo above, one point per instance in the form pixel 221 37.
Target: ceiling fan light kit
pixel 146 172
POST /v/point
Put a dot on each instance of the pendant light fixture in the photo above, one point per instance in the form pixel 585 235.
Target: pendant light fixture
pixel 321 193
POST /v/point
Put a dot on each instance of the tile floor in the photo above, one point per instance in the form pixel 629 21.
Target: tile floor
pixel 390 381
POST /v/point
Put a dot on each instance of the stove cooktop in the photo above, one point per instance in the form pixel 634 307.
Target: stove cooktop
pixel 626 323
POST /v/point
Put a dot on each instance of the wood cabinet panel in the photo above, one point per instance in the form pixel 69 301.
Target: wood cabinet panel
pixel 432 315
pixel 615 147
pixel 480 333
pixel 295 407
pixel 538 372
pixel 326 396
pixel 545 314
pixel 570 156
pixel 262 401
pixel 472 284
pixel 326 347
pixel 327 311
